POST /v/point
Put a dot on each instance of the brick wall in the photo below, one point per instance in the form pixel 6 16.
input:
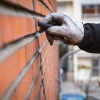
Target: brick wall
pixel 28 64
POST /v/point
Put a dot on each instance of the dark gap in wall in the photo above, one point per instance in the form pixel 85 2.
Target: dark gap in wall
pixel 45 5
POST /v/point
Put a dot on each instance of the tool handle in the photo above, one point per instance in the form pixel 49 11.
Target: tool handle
pixel 44 25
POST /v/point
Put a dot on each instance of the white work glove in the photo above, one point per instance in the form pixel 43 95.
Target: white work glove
pixel 65 29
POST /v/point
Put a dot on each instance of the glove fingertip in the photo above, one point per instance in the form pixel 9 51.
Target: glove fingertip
pixel 51 43
pixel 50 38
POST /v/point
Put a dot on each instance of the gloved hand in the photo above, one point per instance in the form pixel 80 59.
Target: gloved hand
pixel 64 29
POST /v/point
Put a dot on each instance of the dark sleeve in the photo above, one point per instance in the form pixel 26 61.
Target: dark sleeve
pixel 91 40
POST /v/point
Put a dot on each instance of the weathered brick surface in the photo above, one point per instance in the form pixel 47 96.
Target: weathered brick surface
pixel 30 71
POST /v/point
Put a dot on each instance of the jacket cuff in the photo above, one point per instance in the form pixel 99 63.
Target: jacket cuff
pixel 88 38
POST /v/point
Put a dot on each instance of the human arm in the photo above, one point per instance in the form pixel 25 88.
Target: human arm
pixel 74 33
pixel 91 39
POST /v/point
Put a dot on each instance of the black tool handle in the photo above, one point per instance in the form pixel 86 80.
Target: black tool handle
pixel 44 25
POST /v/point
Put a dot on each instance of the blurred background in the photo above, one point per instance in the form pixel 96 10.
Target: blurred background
pixel 79 70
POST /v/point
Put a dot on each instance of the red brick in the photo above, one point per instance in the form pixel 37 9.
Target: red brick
pixel 47 58
pixel 44 51
pixel 1 39
pixel 20 2
pixel 35 88
pixel 43 10
pixel 21 27
pixel 40 93
pixel 28 4
pixel 7 30
pixel 32 22
pixel 23 86
pixel 38 6
pixel 36 25
pixel 8 70
pixel 1 31
pixel 42 39
pixel 22 57
pixel 17 29
pixel 28 26
pixel 36 66
pixel 29 51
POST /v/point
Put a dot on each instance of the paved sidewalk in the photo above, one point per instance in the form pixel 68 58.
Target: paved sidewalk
pixel 70 87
